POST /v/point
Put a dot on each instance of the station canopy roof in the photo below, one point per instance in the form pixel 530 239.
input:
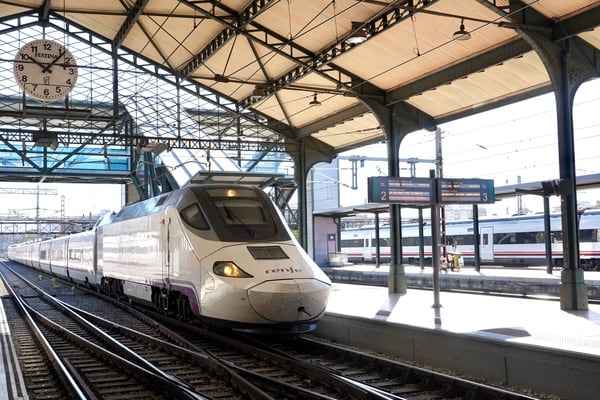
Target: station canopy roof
pixel 302 67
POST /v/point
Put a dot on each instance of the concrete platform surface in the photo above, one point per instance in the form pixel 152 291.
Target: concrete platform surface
pixel 535 322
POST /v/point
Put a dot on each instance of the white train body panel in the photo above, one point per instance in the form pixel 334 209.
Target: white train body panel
pixel 515 240
pixel 43 262
pixel 224 250
pixel 82 257
pixel 58 255
pixel 279 288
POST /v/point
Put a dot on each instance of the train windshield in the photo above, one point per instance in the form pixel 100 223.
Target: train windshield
pixel 241 214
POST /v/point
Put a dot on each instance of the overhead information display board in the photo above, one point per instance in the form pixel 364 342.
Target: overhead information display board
pixel 384 189
pixel 397 190
pixel 465 191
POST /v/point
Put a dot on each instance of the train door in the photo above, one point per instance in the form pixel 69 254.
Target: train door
pixel 486 243
pixel 166 250
pixel 367 247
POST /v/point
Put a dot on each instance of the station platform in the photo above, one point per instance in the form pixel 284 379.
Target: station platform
pixel 520 341
pixel 531 321
pixel 531 314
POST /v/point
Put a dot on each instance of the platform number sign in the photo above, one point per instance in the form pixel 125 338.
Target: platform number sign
pixel 416 191
pixel 465 191
pixel 382 189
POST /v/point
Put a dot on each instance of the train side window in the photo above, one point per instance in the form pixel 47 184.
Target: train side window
pixel 505 238
pixel 410 241
pixel 585 235
pixel 557 236
pixel 193 216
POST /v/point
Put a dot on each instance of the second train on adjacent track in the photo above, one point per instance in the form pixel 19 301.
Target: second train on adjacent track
pixel 221 253
pixel 513 241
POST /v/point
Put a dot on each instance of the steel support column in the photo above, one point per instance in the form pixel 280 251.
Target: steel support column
pixel 569 61
pixel 573 290
pixel 301 174
pixel 397 276
pixel 398 121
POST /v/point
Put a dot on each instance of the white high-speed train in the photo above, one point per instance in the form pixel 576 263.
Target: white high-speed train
pixel 221 253
pixel 517 240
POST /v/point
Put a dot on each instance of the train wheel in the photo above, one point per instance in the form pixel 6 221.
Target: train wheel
pixel 164 301
pixel 156 299
pixel 105 286
pixel 184 311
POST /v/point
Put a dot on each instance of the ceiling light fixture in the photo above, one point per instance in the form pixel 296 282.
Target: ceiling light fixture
pixel 461 33
pixel 45 139
pixel 314 102
pixel 358 35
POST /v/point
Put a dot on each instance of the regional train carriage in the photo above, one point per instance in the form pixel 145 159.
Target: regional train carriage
pixel 517 240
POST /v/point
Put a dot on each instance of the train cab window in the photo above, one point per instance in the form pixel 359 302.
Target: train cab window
pixel 193 216
pixel 241 214
pixel 245 212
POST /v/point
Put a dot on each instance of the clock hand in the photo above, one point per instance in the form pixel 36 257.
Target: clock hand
pixel 47 67
pixel 44 67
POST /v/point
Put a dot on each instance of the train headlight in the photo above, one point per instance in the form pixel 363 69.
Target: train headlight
pixel 229 269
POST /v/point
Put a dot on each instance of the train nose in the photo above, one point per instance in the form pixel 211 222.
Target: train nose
pixel 290 299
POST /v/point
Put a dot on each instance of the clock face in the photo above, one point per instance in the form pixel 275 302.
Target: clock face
pixel 45 70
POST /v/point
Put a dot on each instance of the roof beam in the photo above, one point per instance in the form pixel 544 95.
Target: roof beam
pixel 275 46
pixel 44 11
pixel 132 17
pixel 374 27
pixel 539 30
pixel 241 20
pixel 117 139
pixel 586 21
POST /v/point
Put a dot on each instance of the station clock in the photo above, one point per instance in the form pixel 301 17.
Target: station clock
pixel 46 70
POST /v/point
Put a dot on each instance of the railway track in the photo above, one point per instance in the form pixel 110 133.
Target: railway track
pixel 305 361
pixel 191 362
pixel 112 361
